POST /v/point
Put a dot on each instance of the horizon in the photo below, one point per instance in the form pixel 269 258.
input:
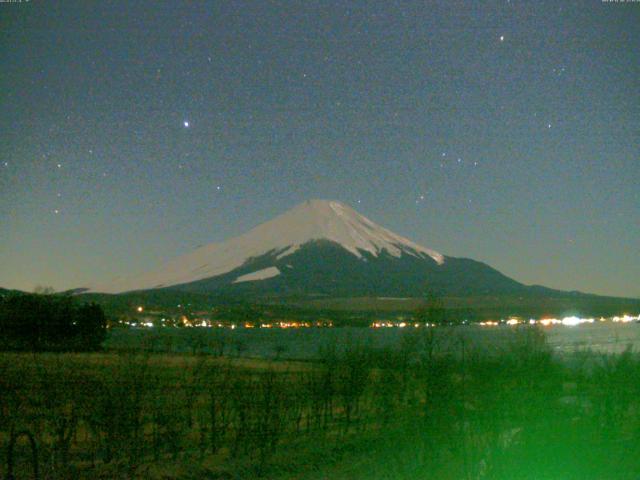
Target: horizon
pixel 283 214
pixel 503 132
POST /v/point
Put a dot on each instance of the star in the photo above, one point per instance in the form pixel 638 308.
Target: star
pixel 56 211
pixel 548 125
pixel 59 165
pixel 186 124
pixel 502 38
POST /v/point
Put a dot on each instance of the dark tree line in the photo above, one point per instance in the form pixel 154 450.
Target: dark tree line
pixel 37 322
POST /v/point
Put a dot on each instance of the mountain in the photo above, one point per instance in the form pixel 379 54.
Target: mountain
pixel 322 249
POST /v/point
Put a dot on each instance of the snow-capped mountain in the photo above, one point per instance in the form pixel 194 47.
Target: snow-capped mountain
pixel 319 247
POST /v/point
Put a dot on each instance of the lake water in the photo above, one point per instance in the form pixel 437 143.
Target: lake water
pixel 306 343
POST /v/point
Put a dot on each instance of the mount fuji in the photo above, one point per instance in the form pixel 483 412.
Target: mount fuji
pixel 320 248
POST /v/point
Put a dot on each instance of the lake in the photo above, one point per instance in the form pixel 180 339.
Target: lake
pixel 306 343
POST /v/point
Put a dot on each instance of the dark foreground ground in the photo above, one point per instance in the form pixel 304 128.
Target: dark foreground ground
pixel 418 411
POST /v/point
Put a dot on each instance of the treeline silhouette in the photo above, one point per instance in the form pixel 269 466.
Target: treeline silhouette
pixel 48 322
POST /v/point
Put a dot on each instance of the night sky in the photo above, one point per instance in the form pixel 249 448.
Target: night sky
pixel 508 131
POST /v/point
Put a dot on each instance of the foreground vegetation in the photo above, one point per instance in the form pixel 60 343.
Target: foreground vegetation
pixel 419 411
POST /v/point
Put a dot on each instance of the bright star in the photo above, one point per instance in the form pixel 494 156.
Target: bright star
pixel 502 38
pixel 186 124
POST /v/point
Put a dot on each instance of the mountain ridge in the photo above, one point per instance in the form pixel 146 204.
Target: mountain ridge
pixel 324 249
pixel 286 233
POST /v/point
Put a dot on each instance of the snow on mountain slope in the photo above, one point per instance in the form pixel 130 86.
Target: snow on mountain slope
pixel 311 220
pixel 263 274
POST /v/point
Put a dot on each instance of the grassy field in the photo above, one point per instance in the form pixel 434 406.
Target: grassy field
pixel 416 411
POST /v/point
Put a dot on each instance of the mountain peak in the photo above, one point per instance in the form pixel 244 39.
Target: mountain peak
pixel 307 222
pixel 337 222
